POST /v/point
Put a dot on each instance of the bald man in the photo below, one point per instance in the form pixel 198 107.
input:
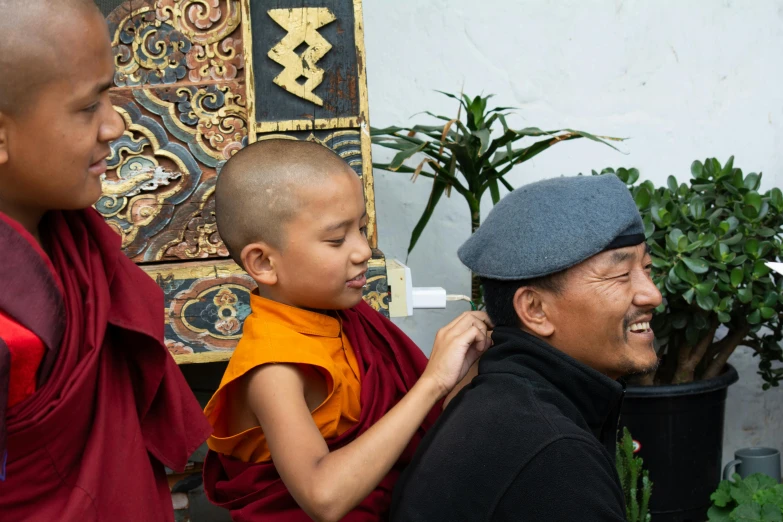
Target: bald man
pixel 91 405
pixel 324 399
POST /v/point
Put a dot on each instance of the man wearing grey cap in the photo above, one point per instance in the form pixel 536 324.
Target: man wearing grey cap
pixel 566 276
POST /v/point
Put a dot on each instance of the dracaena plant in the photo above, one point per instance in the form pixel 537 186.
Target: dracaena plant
pixel 470 154
pixel 710 240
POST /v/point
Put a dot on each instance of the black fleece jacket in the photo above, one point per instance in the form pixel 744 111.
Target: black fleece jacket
pixel 532 438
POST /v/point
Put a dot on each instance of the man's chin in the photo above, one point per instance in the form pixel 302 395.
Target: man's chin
pixel 643 366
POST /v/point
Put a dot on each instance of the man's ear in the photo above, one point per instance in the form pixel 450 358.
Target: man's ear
pixel 4 121
pixel 531 308
pixel 259 261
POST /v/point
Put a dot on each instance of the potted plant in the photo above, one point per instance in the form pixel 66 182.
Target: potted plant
pixel 757 497
pixel 461 154
pixel 709 240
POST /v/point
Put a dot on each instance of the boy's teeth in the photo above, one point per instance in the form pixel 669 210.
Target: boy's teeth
pixel 640 327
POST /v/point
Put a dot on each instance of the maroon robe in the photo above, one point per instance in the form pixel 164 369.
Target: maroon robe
pixel 390 364
pixel 111 408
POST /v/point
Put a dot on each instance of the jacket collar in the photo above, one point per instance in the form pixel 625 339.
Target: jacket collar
pixel 595 396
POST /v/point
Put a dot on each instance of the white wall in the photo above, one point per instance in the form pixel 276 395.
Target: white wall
pixel 684 80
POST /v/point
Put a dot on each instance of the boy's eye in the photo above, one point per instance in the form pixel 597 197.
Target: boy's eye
pixel 92 108
pixel 363 230
pixel 336 241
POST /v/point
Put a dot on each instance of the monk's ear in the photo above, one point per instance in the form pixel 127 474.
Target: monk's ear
pixel 4 121
pixel 259 260
pixel 530 304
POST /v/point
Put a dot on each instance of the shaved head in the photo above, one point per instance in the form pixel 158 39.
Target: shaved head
pixel 30 44
pixel 258 189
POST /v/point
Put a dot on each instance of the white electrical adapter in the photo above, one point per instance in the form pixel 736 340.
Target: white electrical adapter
pixel 404 297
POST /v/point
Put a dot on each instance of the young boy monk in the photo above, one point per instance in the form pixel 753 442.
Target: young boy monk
pixel 324 400
pixel 91 405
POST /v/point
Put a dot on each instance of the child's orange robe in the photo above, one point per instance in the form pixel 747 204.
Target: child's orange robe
pixel 369 365
pixel 276 333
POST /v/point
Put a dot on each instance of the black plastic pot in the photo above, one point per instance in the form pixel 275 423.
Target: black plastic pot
pixel 680 429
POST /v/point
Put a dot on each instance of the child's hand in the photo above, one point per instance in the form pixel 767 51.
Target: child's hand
pixel 457 346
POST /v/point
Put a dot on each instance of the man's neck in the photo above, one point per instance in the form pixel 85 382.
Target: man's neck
pixel 29 219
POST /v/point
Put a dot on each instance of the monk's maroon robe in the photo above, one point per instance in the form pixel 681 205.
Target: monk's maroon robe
pixel 111 408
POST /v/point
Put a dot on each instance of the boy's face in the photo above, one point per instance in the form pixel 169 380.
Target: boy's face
pixel 53 152
pixel 323 260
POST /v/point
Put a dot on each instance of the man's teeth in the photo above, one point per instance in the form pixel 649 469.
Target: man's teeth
pixel 640 327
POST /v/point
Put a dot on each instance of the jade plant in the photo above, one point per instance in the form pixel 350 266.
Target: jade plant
pixel 634 480
pixel 471 154
pixel 710 240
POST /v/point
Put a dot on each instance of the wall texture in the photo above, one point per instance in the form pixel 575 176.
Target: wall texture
pixel 682 80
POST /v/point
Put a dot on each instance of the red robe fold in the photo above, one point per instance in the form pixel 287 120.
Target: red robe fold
pixel 390 364
pixel 91 443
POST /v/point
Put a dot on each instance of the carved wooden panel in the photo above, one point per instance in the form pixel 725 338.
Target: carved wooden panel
pixel 195 81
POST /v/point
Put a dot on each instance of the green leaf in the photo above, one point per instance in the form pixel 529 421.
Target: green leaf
pixel 723 317
pixel 657 262
pixel 776 198
pixel 745 295
pixel 705 302
pixel 767 313
pixel 483 136
pixel 671 181
pixel 752 181
pixel 633 176
pixel 697 170
pixel 642 198
pixel 673 239
pixel 719 514
pixel 697 208
pixel 752 248
pixel 754 317
pixel 698 266
pixel 750 512
pixel 438 187
pixel 753 199
pixel 771 513
pixel 494 191
pixel 736 276
pixel 688 296
pixel 705 288
pixel 760 269
pixel 722 496
pixel 733 240
pixel 727 168
pixel 403 155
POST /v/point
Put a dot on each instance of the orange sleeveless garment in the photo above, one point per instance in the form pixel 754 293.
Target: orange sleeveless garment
pixel 277 333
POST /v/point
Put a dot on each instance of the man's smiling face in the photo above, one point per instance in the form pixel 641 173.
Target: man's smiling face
pixel 602 315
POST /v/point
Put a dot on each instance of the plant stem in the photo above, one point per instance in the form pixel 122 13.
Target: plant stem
pixel 475 223
pixel 728 345
pixel 689 357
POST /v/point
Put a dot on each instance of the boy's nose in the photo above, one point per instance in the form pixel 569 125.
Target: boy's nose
pixel 363 253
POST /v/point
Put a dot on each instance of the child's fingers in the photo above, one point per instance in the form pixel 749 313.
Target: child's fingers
pixel 468 317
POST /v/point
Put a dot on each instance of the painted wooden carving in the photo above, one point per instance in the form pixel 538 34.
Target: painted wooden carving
pixel 195 81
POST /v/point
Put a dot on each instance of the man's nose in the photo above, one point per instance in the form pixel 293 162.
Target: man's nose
pixel 646 294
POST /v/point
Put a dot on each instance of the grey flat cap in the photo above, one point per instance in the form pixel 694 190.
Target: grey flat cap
pixel 548 226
